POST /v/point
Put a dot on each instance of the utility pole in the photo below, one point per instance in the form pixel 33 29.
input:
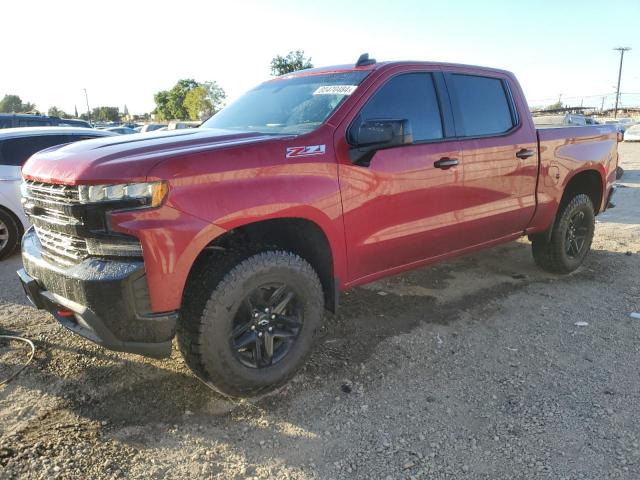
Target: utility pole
pixel 86 97
pixel 621 50
pixel 602 105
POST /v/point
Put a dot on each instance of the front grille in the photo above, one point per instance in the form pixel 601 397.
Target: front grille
pixel 62 248
pixel 52 192
pixel 50 208
pixel 70 231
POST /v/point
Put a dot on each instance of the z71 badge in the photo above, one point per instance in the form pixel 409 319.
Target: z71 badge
pixel 293 152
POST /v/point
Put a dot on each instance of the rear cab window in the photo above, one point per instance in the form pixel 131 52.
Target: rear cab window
pixel 482 105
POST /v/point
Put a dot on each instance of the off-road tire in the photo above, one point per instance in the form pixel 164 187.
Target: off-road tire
pixel 10 228
pixel 210 307
pixel 552 255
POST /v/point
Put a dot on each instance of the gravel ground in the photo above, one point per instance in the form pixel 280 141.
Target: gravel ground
pixel 470 369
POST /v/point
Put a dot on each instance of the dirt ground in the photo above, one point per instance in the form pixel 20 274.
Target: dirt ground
pixel 470 369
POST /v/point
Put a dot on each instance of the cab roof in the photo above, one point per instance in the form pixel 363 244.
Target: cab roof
pixel 384 65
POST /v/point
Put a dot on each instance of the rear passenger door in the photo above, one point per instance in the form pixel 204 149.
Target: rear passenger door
pixel 499 186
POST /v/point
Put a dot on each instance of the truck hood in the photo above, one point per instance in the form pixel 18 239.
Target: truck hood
pixel 127 158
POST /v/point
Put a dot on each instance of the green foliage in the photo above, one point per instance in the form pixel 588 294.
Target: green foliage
pixel 292 62
pixel 162 110
pixel 554 106
pixel 204 101
pixel 13 104
pixel 187 99
pixel 105 114
pixel 56 112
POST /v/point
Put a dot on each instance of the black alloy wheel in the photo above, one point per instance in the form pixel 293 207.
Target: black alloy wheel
pixel 576 236
pixel 266 326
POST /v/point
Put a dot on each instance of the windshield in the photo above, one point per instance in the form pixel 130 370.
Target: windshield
pixel 292 105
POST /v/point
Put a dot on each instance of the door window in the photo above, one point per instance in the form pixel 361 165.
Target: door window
pixel 410 96
pixel 483 106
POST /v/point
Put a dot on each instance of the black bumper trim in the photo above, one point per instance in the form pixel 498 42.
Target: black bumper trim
pixel 109 300
pixel 87 324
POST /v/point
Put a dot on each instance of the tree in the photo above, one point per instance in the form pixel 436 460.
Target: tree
pixel 56 112
pixel 204 101
pixel 554 106
pixel 162 110
pixel 13 104
pixel 292 62
pixel 172 104
pixel 105 114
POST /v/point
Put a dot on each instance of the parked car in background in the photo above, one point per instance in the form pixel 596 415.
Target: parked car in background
pixel 182 124
pixel 17 120
pixel 74 122
pixel 16 146
pixel 563 120
pixel 121 130
pixel 632 134
pixel 620 128
pixel 151 127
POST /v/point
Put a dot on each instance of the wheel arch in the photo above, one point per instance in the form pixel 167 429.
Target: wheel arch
pixel 298 235
pixel 590 182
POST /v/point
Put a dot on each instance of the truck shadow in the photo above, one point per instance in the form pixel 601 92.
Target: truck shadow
pixel 136 401
pixel 130 390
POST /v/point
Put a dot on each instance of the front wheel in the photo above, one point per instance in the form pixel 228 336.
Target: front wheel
pixel 571 237
pixel 258 324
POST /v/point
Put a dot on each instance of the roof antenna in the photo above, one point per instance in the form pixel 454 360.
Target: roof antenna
pixel 365 60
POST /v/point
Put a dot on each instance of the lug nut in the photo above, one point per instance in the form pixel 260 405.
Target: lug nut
pixel 270 328
pixel 259 334
pixel 273 317
pixel 253 327
pixel 256 315
pixel 266 310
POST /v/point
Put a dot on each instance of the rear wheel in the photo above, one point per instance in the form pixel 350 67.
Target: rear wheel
pixel 9 234
pixel 571 237
pixel 257 326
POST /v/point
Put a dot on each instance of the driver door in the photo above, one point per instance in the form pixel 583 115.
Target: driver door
pixel 401 208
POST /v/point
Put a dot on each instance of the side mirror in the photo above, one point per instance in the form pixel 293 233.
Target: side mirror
pixel 374 135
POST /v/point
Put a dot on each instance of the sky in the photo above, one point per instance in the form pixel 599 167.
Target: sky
pixel 123 52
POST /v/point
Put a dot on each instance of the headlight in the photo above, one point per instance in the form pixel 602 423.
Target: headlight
pixel 152 193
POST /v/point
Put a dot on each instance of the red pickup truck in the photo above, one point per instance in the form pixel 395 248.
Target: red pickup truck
pixel 237 235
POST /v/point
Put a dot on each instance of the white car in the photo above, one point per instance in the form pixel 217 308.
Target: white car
pixel 16 146
pixel 632 134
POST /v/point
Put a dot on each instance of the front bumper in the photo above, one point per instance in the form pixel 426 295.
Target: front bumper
pixel 105 301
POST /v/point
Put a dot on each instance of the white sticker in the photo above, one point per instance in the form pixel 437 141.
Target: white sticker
pixel 335 90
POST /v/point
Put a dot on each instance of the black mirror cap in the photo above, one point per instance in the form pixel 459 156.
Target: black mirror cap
pixel 383 133
pixel 374 135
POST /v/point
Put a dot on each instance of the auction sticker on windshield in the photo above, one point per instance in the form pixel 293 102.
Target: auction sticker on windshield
pixel 335 90
pixel 305 151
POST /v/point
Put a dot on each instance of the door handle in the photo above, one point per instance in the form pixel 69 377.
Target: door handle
pixel 524 153
pixel 445 163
